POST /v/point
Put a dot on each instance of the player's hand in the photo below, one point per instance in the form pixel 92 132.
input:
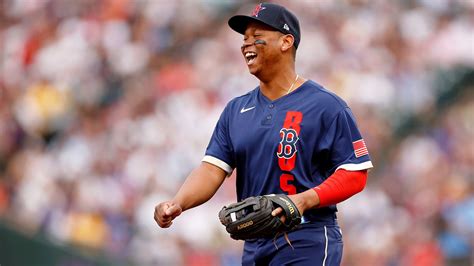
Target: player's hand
pixel 165 213
pixel 303 201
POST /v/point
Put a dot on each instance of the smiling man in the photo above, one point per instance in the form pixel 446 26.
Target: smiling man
pixel 289 136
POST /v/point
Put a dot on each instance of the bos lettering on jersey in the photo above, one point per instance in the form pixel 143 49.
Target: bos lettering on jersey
pixel 287 150
pixel 286 145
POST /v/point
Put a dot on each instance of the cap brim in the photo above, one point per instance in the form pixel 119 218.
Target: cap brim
pixel 239 23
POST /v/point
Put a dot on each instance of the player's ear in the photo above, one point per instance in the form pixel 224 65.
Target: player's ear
pixel 287 41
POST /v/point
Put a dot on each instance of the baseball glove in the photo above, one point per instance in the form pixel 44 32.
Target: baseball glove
pixel 252 217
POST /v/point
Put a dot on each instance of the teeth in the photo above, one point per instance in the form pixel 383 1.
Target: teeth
pixel 249 54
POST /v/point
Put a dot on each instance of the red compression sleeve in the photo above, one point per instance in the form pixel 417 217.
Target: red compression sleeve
pixel 340 186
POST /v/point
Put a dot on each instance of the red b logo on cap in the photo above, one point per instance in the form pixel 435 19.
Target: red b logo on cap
pixel 257 10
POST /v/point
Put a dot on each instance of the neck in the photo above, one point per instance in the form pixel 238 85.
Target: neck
pixel 280 84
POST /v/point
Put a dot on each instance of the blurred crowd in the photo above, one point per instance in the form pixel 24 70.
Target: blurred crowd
pixel 106 106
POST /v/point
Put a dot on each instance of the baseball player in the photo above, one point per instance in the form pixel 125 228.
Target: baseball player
pixel 288 135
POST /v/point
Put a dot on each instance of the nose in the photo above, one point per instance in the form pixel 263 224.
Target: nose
pixel 248 42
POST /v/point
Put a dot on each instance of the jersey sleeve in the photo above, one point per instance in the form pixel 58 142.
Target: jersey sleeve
pixel 347 148
pixel 220 152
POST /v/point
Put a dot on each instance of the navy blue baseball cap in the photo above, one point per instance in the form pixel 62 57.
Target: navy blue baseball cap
pixel 273 15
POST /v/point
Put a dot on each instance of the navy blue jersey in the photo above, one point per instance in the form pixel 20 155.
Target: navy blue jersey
pixel 287 145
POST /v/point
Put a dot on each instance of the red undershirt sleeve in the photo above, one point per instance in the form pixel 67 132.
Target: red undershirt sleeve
pixel 340 186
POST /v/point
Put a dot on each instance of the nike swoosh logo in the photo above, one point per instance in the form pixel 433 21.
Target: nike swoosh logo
pixel 243 110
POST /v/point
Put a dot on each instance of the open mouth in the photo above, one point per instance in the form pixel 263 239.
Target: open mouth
pixel 250 57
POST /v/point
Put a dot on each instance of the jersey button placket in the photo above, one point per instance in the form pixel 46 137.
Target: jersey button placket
pixel 269 115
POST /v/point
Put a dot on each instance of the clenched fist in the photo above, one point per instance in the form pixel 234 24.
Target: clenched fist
pixel 165 213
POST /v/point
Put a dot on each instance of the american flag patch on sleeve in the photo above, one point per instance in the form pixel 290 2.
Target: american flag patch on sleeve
pixel 359 148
